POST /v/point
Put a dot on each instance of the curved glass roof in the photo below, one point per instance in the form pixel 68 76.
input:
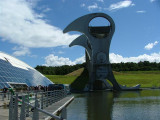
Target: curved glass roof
pixel 13 70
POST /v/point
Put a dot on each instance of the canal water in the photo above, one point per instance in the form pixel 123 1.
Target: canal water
pixel 107 105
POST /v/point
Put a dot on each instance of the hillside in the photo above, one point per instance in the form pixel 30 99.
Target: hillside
pixel 76 72
pixel 79 72
pixel 78 78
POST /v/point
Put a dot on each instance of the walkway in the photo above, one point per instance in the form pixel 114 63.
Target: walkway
pixel 53 108
pixel 4 111
pixel 56 107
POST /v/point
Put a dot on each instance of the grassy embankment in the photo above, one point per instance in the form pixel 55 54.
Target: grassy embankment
pixel 147 79
pixel 76 79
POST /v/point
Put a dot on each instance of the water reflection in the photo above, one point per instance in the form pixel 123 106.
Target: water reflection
pixel 99 107
pixel 128 105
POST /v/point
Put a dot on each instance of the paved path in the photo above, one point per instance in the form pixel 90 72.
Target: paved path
pixel 4 111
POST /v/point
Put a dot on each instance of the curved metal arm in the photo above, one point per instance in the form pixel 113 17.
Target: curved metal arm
pixel 81 24
pixel 82 41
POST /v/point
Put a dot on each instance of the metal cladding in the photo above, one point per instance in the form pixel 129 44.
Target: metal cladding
pixel 14 71
pixel 96 41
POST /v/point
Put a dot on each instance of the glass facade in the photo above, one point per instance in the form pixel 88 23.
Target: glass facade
pixel 15 71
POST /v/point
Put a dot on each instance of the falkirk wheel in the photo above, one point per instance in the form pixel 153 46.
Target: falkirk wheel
pixel 96 41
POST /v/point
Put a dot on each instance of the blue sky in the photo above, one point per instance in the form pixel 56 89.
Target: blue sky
pixel 32 30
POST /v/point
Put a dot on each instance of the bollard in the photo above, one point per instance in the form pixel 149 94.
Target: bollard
pixel 23 114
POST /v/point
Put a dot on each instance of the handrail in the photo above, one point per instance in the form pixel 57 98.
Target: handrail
pixel 43 111
pixel 44 98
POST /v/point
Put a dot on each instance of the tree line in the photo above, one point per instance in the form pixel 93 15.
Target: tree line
pixel 140 66
pixel 129 66
pixel 58 70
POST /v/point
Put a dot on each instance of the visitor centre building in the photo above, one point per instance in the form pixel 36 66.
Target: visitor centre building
pixel 14 72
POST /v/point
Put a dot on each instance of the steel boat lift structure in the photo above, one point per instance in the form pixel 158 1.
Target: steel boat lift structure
pixel 96 41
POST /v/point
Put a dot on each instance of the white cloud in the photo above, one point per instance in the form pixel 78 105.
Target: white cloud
pixel 80 60
pixel 152 0
pixel 150 45
pixel 141 11
pixel 121 4
pixel 52 60
pixel 21 25
pixel 60 52
pixel 47 9
pixel 100 0
pixel 83 5
pixel 21 51
pixel 154 57
pixel 92 7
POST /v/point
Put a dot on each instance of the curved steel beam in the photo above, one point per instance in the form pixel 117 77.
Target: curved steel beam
pixel 81 24
pixel 82 41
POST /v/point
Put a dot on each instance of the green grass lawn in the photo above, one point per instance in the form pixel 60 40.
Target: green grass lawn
pixel 146 80
pixel 61 79
pixel 129 78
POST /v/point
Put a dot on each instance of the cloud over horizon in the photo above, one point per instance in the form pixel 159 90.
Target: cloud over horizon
pixel 52 60
pixel 116 58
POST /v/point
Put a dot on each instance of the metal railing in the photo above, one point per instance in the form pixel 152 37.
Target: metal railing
pixel 5 96
pixel 29 105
